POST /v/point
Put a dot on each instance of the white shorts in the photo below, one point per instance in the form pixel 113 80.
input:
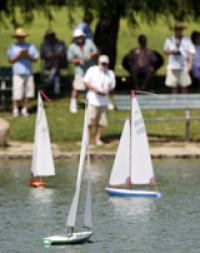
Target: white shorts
pixel 78 83
pixel 22 86
pixel 175 78
pixel 97 115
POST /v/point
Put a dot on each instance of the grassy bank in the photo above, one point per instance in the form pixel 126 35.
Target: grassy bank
pixel 66 128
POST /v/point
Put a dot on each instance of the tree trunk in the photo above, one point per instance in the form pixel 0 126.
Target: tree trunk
pixel 105 37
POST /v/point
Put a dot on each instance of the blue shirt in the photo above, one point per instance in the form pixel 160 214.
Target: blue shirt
pixel 75 52
pixel 22 66
pixel 83 26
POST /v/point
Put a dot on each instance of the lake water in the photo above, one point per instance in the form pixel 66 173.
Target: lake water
pixel 167 225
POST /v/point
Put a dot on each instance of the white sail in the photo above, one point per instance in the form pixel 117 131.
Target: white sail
pixel 141 169
pixel 121 168
pixel 42 159
pixel 88 204
pixel 71 219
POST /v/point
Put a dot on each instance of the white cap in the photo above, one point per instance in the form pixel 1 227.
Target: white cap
pixel 104 59
pixel 78 33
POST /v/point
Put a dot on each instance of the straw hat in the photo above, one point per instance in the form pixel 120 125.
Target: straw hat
pixel 179 25
pixel 19 32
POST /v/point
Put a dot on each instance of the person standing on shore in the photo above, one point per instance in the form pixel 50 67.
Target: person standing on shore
pixel 82 53
pixel 22 54
pixel 100 81
pixel 180 51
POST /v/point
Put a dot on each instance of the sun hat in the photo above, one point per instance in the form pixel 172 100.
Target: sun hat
pixel 104 59
pixel 78 33
pixel 19 32
pixel 179 25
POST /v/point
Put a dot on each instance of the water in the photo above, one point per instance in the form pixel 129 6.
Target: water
pixel 167 225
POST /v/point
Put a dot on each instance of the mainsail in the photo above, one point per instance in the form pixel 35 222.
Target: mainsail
pixel 142 169
pixel 42 159
pixel 71 219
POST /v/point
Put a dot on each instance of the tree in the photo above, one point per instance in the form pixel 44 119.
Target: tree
pixel 109 13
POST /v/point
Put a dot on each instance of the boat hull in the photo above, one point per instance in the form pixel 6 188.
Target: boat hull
pixel 38 183
pixel 74 238
pixel 132 193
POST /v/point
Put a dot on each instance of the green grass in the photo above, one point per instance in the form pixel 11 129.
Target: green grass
pixel 66 128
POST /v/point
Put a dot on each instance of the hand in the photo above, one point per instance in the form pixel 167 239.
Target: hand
pixel 81 61
pixel 87 57
pixel 24 53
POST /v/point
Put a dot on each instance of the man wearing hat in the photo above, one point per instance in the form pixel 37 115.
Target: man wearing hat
pixel 82 53
pixel 100 81
pixel 180 51
pixel 21 54
pixel 53 55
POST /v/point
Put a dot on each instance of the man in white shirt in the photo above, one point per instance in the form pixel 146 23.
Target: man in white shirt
pixel 180 50
pixel 100 81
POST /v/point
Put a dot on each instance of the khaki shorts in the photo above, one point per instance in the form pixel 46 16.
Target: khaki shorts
pixel 177 78
pixel 78 83
pixel 22 86
pixel 97 115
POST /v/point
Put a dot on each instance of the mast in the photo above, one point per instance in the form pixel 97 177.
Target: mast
pixel 131 135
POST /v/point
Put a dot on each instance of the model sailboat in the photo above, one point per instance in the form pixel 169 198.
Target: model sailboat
pixel 42 158
pixel 132 165
pixel 74 236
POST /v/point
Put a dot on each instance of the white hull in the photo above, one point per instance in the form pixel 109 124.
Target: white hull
pixel 132 193
pixel 74 238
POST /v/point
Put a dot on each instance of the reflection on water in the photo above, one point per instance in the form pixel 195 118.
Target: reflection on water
pixel 169 224
pixel 44 196
pixel 132 208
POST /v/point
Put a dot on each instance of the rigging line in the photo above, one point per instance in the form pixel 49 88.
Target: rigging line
pixel 147 93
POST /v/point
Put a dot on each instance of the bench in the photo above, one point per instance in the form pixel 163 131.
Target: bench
pixel 185 102
pixel 5 85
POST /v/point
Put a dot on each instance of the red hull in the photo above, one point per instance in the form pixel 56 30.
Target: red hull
pixel 38 183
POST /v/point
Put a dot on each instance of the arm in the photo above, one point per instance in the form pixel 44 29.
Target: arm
pixel 190 58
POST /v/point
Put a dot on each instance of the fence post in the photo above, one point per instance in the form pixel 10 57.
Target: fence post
pixel 187 125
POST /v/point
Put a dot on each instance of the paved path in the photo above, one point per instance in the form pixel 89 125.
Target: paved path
pixel 158 150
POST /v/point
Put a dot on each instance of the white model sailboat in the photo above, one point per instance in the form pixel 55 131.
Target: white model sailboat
pixel 132 165
pixel 42 158
pixel 74 236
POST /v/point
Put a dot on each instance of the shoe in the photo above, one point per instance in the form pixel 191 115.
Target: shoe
pixel 24 112
pixel 99 143
pixel 73 106
pixel 15 113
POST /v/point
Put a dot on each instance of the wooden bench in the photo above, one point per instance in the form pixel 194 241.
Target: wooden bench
pixel 5 85
pixel 185 102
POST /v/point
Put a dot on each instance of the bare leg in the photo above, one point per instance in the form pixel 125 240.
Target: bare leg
pixel 90 134
pixel 134 72
pixel 73 102
pixel 184 90
pixel 147 78
pixel 98 134
pixel 174 90
pixel 15 104
pixel 26 103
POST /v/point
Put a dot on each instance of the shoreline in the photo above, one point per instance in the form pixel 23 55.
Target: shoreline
pixel 158 150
